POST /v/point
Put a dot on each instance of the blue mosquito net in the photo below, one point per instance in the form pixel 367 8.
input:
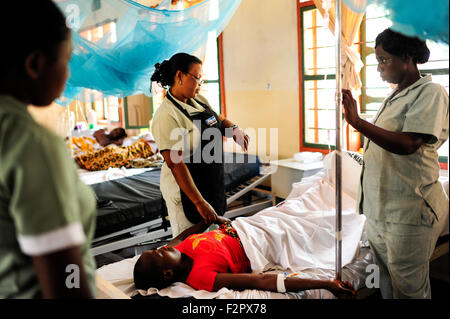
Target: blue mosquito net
pixel 425 19
pixel 119 59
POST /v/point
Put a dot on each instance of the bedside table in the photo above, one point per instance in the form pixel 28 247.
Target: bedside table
pixel 289 171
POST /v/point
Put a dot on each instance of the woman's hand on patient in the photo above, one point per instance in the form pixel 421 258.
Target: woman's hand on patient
pixel 342 289
pixel 207 212
pixel 220 220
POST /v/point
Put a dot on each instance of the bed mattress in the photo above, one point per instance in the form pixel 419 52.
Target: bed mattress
pixel 128 201
pixel 239 168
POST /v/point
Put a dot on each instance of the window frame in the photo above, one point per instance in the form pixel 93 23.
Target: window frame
pixel 220 80
pixel 316 147
pixel 222 107
pixel 103 121
pixel 125 111
pixel 91 103
pixel 306 146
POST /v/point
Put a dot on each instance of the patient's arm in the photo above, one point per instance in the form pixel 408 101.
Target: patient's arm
pixel 269 282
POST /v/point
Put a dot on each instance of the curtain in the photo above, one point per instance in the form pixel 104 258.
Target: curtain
pixel 351 62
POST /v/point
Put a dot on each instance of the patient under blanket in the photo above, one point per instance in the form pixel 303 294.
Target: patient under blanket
pixel 299 233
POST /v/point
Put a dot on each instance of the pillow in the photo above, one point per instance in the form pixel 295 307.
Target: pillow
pixel 351 171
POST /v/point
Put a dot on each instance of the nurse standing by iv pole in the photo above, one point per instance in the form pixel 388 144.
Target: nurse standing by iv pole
pixel 399 191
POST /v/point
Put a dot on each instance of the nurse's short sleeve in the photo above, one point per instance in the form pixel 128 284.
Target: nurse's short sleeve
pixel 166 131
pixel 44 203
pixel 428 112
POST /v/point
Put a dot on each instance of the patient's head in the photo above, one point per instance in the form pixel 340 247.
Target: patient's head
pixel 158 268
pixel 117 134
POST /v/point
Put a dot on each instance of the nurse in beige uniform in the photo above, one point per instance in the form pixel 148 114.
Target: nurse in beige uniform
pixel 190 136
pixel 399 191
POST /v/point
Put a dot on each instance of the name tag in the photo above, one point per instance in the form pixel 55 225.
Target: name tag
pixel 211 121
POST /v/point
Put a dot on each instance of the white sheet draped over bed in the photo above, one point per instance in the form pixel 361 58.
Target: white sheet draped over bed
pixel 300 233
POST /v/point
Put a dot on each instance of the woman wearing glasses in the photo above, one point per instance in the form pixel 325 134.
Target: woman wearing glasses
pixel 399 191
pixel 190 136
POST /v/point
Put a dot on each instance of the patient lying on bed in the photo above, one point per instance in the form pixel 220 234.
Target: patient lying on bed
pixel 104 151
pixel 216 259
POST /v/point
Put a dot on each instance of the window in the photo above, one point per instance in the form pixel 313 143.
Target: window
pixel 96 33
pixel 317 75
pixel 107 109
pixel 317 81
pixel 373 90
pixel 212 88
pixel 137 111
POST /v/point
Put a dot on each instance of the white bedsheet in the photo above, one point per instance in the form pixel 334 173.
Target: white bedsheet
pixel 109 174
pixel 300 233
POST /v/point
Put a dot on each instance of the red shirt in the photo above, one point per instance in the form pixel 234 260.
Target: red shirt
pixel 213 252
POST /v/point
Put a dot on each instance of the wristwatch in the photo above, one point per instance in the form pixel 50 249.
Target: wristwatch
pixel 233 126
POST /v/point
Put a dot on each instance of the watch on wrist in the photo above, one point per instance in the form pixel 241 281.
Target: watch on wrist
pixel 233 126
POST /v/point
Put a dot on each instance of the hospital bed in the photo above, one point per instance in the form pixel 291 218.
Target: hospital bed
pixel 119 274
pixel 131 209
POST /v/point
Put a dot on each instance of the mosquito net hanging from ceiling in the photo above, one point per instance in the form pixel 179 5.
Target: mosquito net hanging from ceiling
pixel 116 43
pixel 427 20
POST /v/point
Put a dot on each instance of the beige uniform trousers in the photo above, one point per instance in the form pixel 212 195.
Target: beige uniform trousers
pixel 402 253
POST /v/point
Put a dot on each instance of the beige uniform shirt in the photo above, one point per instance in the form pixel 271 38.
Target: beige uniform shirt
pixel 404 188
pixel 172 130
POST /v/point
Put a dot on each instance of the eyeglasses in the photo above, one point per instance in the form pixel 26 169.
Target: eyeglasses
pixel 198 79
pixel 382 60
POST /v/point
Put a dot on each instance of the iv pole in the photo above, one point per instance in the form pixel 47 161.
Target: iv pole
pixel 338 164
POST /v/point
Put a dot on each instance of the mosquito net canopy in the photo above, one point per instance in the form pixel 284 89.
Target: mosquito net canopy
pixel 427 20
pixel 116 43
